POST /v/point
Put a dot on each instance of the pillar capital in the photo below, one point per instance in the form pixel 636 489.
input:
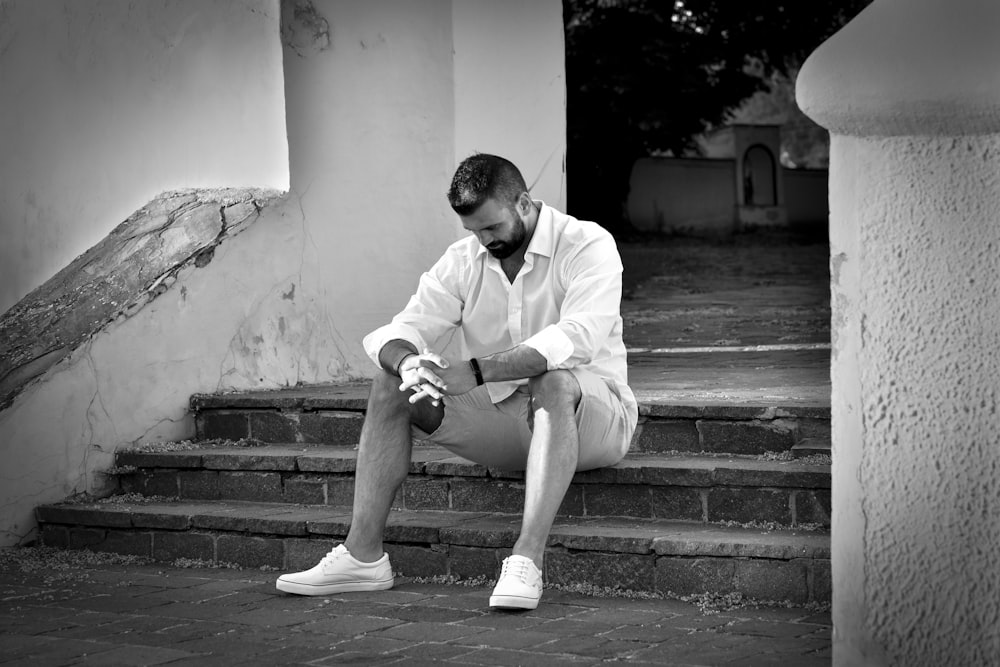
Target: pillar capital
pixel 908 68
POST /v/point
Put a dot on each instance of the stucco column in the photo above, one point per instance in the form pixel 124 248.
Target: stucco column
pixel 910 91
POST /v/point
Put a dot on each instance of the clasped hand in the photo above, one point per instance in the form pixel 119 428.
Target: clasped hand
pixel 432 376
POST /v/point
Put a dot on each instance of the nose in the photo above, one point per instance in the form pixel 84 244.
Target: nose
pixel 485 238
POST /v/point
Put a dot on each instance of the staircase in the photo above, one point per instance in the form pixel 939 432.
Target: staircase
pixel 723 498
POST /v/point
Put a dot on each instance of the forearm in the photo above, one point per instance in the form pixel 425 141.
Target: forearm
pixel 513 364
pixel 393 352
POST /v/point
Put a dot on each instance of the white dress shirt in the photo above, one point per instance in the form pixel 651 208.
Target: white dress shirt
pixel 564 302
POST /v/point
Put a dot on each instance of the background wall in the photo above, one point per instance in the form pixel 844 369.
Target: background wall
pixel 107 103
pixel 683 195
pixel 377 121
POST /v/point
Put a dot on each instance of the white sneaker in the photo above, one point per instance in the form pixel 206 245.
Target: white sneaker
pixel 519 586
pixel 339 572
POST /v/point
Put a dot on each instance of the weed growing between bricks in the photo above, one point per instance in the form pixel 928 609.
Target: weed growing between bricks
pixel 187 445
pixel 769 526
pixel 708 603
pixel 34 558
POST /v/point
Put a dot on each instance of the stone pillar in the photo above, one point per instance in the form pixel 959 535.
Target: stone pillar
pixel 910 91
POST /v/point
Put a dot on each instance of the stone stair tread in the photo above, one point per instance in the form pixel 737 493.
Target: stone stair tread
pixel 633 536
pixel 635 468
pixel 354 397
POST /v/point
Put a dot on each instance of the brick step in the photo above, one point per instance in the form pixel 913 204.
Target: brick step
pixel 629 554
pixel 694 488
pixel 332 414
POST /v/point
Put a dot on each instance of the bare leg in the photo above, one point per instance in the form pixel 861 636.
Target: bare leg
pixel 383 461
pixel 555 448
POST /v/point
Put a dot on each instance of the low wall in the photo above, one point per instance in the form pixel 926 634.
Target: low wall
pixel 698 196
pixel 673 195
pixel 807 196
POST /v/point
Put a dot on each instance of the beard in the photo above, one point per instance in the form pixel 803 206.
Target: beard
pixel 504 249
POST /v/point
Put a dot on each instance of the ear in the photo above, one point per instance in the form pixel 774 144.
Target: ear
pixel 524 204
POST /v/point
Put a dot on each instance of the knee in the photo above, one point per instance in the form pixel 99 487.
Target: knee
pixel 554 389
pixel 385 387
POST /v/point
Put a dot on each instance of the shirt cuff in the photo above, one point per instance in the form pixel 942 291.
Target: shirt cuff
pixel 376 340
pixel 553 344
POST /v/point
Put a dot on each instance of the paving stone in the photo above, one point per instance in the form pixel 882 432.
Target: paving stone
pixel 274 427
pixel 746 437
pixel 336 525
pixel 90 515
pixel 418 631
pixel 590 535
pixel 251 458
pixel 626 471
pixel 616 571
pixel 340 491
pixel 304 489
pixel 494 532
pixel 679 503
pixel 250 551
pixel 331 428
pixel 777 473
pixel 745 505
pixel 674 471
pixel 126 457
pixel 163 518
pixel 822 581
pixel 684 576
pixel 413 561
pixel 662 435
pixel 256 486
pixel 346 626
pixel 813 507
pixel 329 459
pixel 54 536
pixel 429 494
pixel 772 580
pixel 487 496
pixel 472 562
pixel 219 425
pixel 618 500
pixel 222 518
pixel 195 546
pixel 281 522
pixel 302 554
pixel 455 466
pixel 199 484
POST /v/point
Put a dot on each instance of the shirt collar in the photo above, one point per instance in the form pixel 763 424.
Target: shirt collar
pixel 542 239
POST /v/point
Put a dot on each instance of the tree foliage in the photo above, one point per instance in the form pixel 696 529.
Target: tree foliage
pixel 650 75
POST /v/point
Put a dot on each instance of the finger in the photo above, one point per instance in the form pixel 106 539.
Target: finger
pixel 435 359
pixel 431 390
pixel 420 395
pixel 431 377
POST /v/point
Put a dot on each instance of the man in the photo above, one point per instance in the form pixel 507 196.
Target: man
pixel 540 386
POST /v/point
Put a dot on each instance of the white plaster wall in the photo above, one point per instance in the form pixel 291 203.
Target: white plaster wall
pixel 373 119
pixel 510 88
pixel 917 433
pixel 914 196
pixel 107 103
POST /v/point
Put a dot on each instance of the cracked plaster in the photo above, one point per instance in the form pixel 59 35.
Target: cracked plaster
pixel 289 299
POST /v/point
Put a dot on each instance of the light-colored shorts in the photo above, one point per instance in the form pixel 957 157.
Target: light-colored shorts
pixel 499 435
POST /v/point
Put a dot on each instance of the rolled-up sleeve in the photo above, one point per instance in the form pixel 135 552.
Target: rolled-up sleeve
pixel 590 308
pixel 433 310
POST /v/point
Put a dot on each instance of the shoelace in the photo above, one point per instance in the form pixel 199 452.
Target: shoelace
pixel 332 557
pixel 519 568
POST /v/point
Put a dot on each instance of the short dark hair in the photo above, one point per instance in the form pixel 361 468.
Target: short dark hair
pixel 481 177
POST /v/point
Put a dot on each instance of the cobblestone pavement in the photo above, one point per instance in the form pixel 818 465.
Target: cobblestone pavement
pixel 55 610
